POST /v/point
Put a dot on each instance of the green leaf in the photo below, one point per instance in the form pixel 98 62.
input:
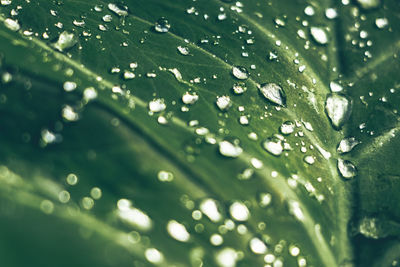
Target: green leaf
pixel 122 133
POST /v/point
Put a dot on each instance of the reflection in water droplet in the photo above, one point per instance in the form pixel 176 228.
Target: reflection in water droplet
pixel 273 145
pixel 65 41
pixel 331 13
pixel 273 93
pixel 347 144
pixel 338 109
pixel 240 73
pixel 346 168
pixel 162 25
pixel 319 35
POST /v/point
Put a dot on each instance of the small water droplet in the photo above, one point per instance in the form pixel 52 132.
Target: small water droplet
pixel 319 34
pixel 184 50
pixel 226 257
pixel 154 256
pixel 216 240
pixel 347 144
pixel 239 88
pixel 309 11
pixel 129 75
pixel 69 114
pixel 346 168
pixel 65 41
pixel 89 93
pixel 228 149
pixel 287 128
pixel 165 176
pixel 120 11
pixel 210 208
pixel 338 109
pixel 273 93
pixel 335 87
pixel 162 25
pixel 381 22
pixel 257 246
pixel 240 73
pixel 309 160
pixel 223 102
pixel 178 231
pixel 157 105
pixel 190 98
pixel 273 145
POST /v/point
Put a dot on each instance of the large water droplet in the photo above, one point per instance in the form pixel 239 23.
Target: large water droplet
pixel 347 144
pixel 210 208
pixel 228 149
pixel 178 231
pixel 157 105
pixel 189 99
pixel 12 24
pixel 319 35
pixel 226 257
pixel 223 102
pixel 65 41
pixel 162 25
pixel 257 246
pixel 240 73
pixel 287 128
pixel 122 12
pixel 273 93
pixel 273 145
pixel 239 211
pixel 338 109
pixel 346 168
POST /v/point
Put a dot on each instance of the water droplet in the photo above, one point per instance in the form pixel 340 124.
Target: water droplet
pixel 335 87
pixel 269 258
pixel 69 114
pixel 162 25
pixel 239 211
pixel 331 13
pixel 369 4
pixel 133 216
pixel 226 257
pixel 183 50
pixel 223 102
pixel 122 12
pixel 107 18
pixel 65 41
pixel 371 227
pixel 210 208
pixel 257 246
pixel 178 231
pixel 228 149
pixel 273 93
pixel 216 240
pixel 240 73
pixel 239 88
pixel 243 120
pixel 309 160
pixel 287 128
pixel 95 193
pixel 189 99
pixel 295 210
pixel 47 206
pixel 381 22
pixel 347 144
pixel 157 105
pixel 294 251
pixel 69 86
pixel 338 109
pixel 12 24
pixel 79 23
pixel 165 176
pixel 309 11
pixel 273 145
pixel 89 93
pixel 129 75
pixel 319 35
pixel 154 256
pixel 346 168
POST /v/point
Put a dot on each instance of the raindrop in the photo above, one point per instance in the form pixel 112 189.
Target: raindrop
pixel 118 10
pixel 157 105
pixel 183 50
pixel 69 86
pixel 239 211
pixel 165 176
pixel 226 257
pixel 338 109
pixel 216 240
pixel 89 93
pixel 12 24
pixel 257 246
pixel 368 4
pixel 69 114
pixel 210 208
pixel 107 18
pixel 295 210
pixel 239 88
pixel 309 11
pixel 223 102
pixel 347 144
pixel 240 73
pixel 65 41
pixel 273 93
pixel 189 99
pixel 331 13
pixel 178 231
pixel 129 75
pixel 319 35
pixel 381 22
pixel 335 87
pixel 228 149
pixel 309 160
pixel 287 128
pixel 294 251
pixel 273 145
pixel 162 25
pixel 346 168
pixel 265 199
pixel 243 120
pixel 153 255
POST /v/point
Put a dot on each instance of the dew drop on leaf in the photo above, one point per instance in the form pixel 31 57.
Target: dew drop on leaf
pixel 381 22
pixel 226 257
pixel 287 127
pixel 69 86
pixel 347 144
pixel 122 12
pixel 12 24
pixel 239 88
pixel 183 50
pixel 65 41
pixel 189 98
pixel 319 35
pixel 346 168
pixel 223 102
pixel 154 256
pixel 240 73
pixel 273 93
pixel 335 87
pixel 368 4
pixel 178 231
pixel 338 109
pixel 257 246
pixel 230 150
pixel 273 145
pixel 157 105
pixel 165 176
pixel 239 211
pixel 162 25
pixel 210 208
